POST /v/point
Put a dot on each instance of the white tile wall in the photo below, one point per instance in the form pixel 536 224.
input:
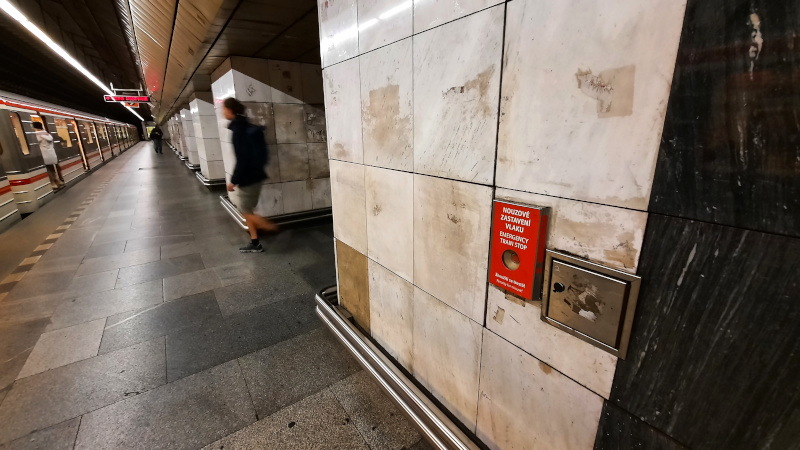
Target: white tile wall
pixel 600 85
pixel 290 127
pixel 249 89
pixel 526 404
pixel 270 201
pixel 382 22
pixel 391 312
pixel 431 13
pixel 390 219
pixel 321 193
pixel 349 204
pixel 286 81
pixel 338 30
pixel 296 196
pixel 447 352
pixel 604 234
pixel 343 107
pixel 456 93
pixel 451 242
pixel 521 324
pixel 387 110
pixel 293 161
pixel 318 160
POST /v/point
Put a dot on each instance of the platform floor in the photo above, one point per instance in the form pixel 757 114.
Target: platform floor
pixel 136 323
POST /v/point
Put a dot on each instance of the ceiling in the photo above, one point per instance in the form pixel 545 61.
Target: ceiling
pixel 169 46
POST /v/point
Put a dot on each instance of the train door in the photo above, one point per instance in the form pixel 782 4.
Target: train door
pixel 92 132
pixel 27 175
pixel 87 144
pixel 9 214
pixel 74 138
pixel 102 139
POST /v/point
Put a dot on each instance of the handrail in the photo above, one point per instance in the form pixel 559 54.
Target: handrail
pixel 435 426
pixel 207 182
pixel 192 166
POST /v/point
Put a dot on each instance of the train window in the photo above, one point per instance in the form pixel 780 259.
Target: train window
pixel 88 132
pixel 35 118
pixel 63 132
pixel 93 132
pixel 101 131
pixel 17 124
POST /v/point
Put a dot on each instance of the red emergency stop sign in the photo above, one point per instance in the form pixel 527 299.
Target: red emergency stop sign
pixel 519 237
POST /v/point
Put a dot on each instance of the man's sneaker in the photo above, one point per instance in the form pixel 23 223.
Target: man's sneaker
pixel 250 248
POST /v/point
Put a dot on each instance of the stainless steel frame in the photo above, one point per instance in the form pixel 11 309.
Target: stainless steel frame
pixel 281 219
pixel 207 182
pixel 435 426
pixel 192 166
pixel 629 308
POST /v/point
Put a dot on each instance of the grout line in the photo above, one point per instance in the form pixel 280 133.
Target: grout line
pixel 247 386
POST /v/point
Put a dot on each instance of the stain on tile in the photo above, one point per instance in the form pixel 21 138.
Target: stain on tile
pixel 353 283
pixel 613 89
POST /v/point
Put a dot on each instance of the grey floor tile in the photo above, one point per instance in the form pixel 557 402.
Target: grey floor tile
pixel 105 263
pixel 165 268
pixel 51 264
pixel 65 346
pixel 16 343
pixel 374 414
pixel 263 289
pixel 142 325
pixel 158 241
pixel 317 422
pixel 58 437
pixel 87 284
pixel 233 274
pixel 287 372
pixel 186 414
pixel 190 283
pixel 206 345
pixel 57 395
pixel 34 285
pixel 28 309
pixel 106 303
pixel 112 248
pixel 320 274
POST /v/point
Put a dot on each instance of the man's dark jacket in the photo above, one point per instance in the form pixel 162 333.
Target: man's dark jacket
pixel 250 148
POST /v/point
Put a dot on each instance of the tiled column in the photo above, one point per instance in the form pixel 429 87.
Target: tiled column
pixel 206 134
pixel 190 146
pixel 285 98
pixel 437 110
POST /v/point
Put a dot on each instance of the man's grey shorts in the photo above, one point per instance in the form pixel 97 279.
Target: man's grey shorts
pixel 248 197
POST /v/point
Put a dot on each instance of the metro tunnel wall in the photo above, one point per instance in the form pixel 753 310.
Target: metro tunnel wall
pixel 663 135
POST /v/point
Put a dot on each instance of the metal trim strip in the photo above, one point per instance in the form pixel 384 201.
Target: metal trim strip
pixel 9 215
pixel 435 426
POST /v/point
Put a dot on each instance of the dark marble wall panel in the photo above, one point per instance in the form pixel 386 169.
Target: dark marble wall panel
pixel 730 150
pixel 618 430
pixel 715 351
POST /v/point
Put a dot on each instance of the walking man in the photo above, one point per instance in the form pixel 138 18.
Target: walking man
pixel 49 156
pixel 156 136
pixel 250 148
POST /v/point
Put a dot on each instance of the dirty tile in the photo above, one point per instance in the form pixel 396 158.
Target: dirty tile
pixel 318 421
pixel 387 107
pixel 313 93
pixel 382 22
pixel 620 429
pixel 342 105
pixel 432 13
pixel 516 387
pixel 318 160
pixel 270 202
pixel 87 284
pixel 177 259
pixel 105 263
pixel 296 196
pixel 521 324
pixel 451 223
pixel 190 283
pixel 57 437
pixel 107 303
pixel 261 114
pixel 61 347
pixel 447 353
pixel 321 193
pixel 290 125
pixel 316 129
pixel 338 31
pixel 293 160
pixel 600 102
pixel 456 93
pixel 604 234
pixel 281 375
pixel 391 312
pixel 251 87
pixel 374 414
pixel 186 414
pixel 390 219
pixel 285 79
pixel 353 283
pixel 41 401
pixel 349 204
pixel 125 329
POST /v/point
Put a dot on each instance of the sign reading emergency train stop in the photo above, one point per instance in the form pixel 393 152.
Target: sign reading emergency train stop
pixel 519 237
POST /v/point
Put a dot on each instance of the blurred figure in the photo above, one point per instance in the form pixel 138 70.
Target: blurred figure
pixel 156 136
pixel 49 156
pixel 250 148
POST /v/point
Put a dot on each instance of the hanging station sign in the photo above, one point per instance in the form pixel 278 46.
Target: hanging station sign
pixel 126 98
pixel 519 237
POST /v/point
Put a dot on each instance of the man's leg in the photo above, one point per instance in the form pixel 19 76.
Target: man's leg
pixel 252 227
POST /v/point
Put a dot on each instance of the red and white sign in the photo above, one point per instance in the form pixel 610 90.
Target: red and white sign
pixel 126 98
pixel 519 237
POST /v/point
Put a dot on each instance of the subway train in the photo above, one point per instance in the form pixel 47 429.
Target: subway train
pixel 83 142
